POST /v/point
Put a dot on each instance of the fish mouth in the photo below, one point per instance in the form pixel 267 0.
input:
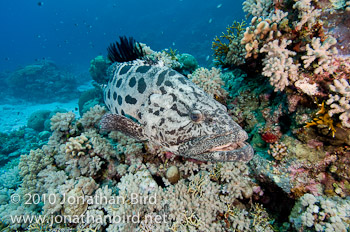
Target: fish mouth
pixel 227 147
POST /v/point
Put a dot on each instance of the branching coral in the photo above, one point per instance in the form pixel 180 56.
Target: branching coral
pixel 62 122
pixel 259 8
pixel 340 101
pixel 322 53
pixel 77 146
pixel 278 64
pixel 278 150
pixel 92 117
pixel 232 53
pixel 30 165
pixel 307 13
pixel 260 32
pixel 210 81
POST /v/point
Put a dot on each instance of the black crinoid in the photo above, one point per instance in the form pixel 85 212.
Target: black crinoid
pixel 126 49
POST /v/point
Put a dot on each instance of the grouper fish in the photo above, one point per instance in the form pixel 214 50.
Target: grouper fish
pixel 149 101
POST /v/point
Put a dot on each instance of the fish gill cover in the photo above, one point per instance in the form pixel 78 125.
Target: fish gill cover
pixel 281 74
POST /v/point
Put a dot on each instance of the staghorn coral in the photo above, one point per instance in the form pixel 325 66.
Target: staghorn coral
pixel 322 53
pixel 210 81
pixel 278 64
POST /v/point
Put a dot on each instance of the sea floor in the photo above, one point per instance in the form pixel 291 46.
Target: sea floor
pixel 15 113
pixel 16 116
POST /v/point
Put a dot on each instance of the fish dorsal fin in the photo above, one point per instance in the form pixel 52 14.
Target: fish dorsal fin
pixel 116 122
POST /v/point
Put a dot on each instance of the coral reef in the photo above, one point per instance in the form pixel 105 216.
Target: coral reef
pixel 90 98
pixel 42 82
pixel 98 69
pixel 284 78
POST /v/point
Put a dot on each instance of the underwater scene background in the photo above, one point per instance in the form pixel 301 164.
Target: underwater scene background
pixel 281 68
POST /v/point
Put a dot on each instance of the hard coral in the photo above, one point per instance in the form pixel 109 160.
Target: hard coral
pixel 340 102
pixel 210 81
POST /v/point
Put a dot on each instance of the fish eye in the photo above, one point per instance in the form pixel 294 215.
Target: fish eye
pixel 196 116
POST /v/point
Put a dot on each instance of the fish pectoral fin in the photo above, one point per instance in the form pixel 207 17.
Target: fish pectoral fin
pixel 116 122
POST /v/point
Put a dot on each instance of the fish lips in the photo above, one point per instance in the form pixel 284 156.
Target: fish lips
pixel 226 148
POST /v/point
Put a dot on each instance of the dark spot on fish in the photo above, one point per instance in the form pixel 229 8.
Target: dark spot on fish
pixel 120 100
pixel 116 110
pixel 130 100
pixel 161 78
pixel 172 132
pixel 174 107
pixel 162 120
pixel 150 111
pixel 143 69
pixel 115 96
pixel 123 113
pixel 181 90
pixel 132 82
pixel 162 89
pixel 172 73
pixel 156 113
pixel 109 94
pixel 119 83
pixel 182 80
pixel 141 85
pixel 139 115
pixel 161 109
pixel 125 69
pixel 174 97
pixel 168 83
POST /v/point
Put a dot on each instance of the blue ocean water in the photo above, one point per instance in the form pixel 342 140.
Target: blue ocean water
pixel 71 33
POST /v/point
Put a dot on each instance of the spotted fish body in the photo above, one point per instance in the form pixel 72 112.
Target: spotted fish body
pixel 172 112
